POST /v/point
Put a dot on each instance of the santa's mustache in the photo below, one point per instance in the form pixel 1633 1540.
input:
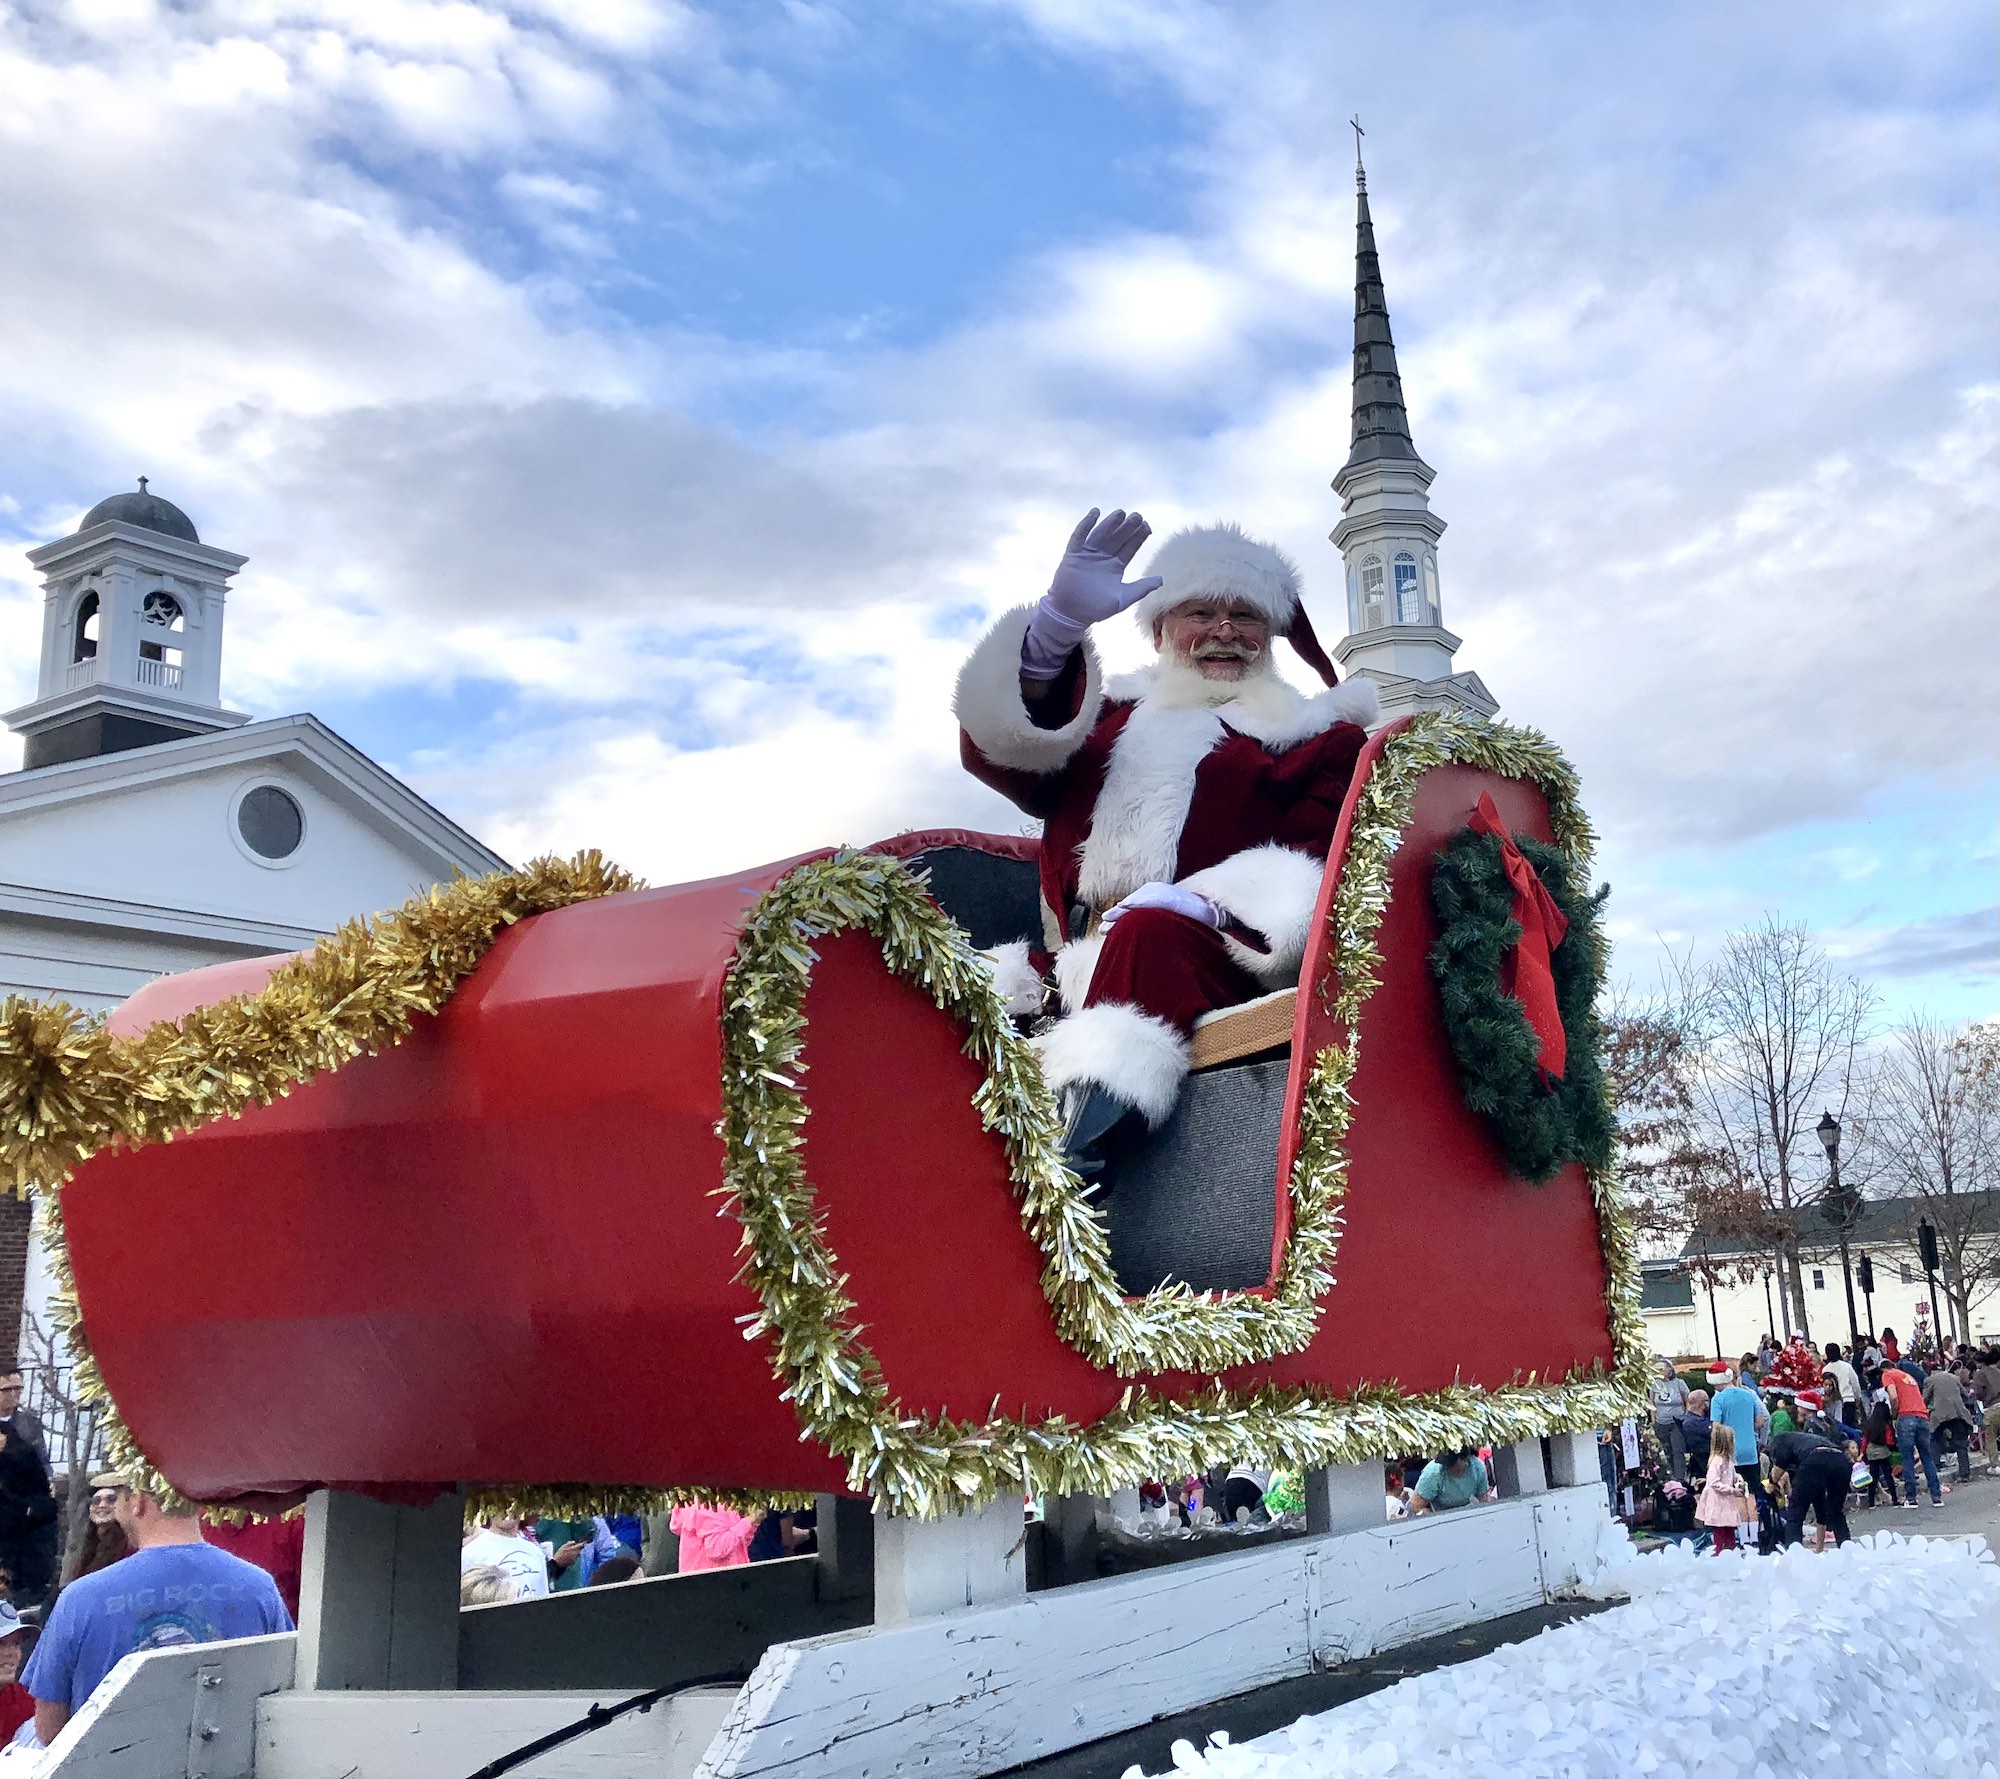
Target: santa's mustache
pixel 1225 651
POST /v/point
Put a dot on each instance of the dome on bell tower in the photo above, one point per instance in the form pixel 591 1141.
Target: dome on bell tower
pixel 147 511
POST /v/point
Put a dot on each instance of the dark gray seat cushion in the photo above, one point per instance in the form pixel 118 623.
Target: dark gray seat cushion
pixel 1197 1200
pixel 994 899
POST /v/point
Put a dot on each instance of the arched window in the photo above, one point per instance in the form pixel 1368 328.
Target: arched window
pixel 1409 600
pixel 83 631
pixel 162 609
pixel 1374 594
pixel 1431 587
pixel 159 653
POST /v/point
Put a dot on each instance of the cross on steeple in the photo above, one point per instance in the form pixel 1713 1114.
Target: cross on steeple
pixel 1360 172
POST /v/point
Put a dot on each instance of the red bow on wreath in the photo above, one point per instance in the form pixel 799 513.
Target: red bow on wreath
pixel 1526 974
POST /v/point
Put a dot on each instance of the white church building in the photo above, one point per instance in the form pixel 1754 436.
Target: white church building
pixel 151 829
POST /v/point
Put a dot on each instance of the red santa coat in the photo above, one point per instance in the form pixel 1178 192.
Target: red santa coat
pixel 1141 784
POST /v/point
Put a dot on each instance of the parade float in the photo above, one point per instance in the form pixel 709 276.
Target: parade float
pixel 553 1192
pixel 319 1215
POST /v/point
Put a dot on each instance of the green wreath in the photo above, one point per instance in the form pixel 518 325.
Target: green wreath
pixel 1540 1128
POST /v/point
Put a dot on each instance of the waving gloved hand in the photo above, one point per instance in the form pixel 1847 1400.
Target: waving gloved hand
pixel 1089 586
pixel 1171 897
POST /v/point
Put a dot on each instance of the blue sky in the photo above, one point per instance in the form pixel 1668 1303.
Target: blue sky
pixel 632 409
pixel 908 168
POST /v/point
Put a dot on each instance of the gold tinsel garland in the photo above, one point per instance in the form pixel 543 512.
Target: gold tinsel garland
pixel 926 1465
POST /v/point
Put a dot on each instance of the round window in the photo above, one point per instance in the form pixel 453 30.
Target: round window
pixel 270 821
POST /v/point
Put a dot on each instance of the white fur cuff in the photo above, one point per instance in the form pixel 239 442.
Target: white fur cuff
pixel 1014 976
pixel 1140 1059
pixel 1355 700
pixel 988 703
pixel 1274 890
pixel 1075 964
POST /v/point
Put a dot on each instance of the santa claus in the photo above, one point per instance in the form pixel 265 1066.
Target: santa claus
pixel 1187 809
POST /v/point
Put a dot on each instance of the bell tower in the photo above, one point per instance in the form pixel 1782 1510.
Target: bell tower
pixel 131 634
pixel 1388 535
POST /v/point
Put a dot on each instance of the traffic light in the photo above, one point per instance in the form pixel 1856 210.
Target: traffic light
pixel 1865 1270
pixel 1927 1248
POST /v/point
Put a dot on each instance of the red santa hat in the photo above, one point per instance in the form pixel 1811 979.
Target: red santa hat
pixel 1810 1400
pixel 1718 1374
pixel 1225 562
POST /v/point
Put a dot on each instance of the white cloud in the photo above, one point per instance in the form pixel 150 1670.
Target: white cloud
pixel 1150 312
pixel 1694 317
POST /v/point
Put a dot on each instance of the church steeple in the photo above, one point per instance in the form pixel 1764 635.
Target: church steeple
pixel 1388 535
pixel 1381 422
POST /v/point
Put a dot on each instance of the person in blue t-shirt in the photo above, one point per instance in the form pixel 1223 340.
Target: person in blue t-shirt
pixel 173 1589
pixel 1739 1410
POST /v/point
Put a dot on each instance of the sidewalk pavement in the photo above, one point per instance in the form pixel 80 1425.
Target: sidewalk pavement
pixel 1970 1507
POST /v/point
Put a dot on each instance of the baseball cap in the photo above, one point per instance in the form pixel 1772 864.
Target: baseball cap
pixel 10 1620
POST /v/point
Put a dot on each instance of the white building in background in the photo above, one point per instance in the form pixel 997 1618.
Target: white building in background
pixel 1683 1315
pixel 1388 535
pixel 152 830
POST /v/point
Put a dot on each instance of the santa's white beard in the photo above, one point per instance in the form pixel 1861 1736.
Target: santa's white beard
pixel 1183 686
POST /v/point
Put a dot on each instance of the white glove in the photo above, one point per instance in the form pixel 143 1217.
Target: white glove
pixel 1089 586
pixel 1171 897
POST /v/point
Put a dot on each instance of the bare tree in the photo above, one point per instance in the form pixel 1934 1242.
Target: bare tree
pixel 1933 1124
pixel 1645 1058
pixel 1775 1036
pixel 1685 1201
pixel 74 1430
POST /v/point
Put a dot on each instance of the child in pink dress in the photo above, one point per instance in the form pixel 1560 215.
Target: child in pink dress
pixel 1724 1500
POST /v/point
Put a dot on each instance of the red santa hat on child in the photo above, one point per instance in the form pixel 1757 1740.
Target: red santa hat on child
pixel 1225 562
pixel 1810 1401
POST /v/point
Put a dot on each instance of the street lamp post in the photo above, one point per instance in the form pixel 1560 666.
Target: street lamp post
pixel 1839 1208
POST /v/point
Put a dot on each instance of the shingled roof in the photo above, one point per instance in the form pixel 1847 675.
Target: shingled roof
pixel 1883 1223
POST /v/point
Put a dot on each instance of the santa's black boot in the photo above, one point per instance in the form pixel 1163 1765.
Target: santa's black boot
pixel 1096 1126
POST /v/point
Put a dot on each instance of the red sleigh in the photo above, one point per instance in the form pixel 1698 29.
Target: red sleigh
pixel 512 1248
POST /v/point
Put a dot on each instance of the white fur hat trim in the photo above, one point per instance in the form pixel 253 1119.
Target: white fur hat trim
pixel 1221 562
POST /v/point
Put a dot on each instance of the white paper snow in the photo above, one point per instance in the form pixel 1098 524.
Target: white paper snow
pixel 1862 1663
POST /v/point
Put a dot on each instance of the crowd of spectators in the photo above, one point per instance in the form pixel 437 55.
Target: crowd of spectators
pixel 1790 1433
pixel 505 1558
